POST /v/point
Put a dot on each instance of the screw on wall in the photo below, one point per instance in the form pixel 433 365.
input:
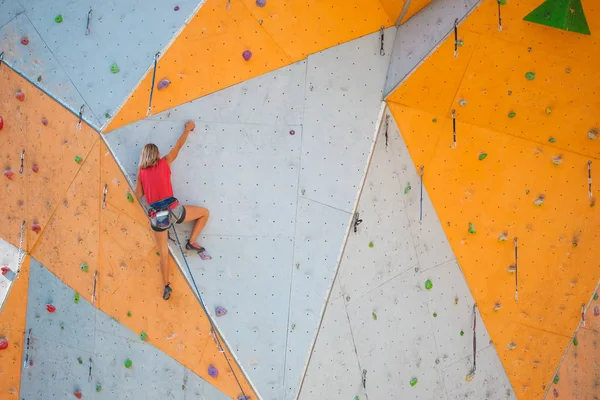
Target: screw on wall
pixel 422 168
pixel 22 161
pixel 89 21
pixel 356 221
pixel 516 270
pixel 456 38
pixel 81 109
pixel 381 37
pixel 453 129
pixel 156 57
pixel 471 374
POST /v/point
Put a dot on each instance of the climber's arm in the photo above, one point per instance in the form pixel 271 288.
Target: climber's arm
pixel 189 126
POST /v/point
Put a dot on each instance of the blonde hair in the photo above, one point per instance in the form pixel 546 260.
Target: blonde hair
pixel 149 157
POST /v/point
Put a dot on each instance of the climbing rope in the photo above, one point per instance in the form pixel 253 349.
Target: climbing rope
pixel 81 109
pixel 212 326
pixel 149 111
pixel 21 253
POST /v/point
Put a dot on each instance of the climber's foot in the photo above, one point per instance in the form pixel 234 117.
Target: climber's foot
pixel 167 292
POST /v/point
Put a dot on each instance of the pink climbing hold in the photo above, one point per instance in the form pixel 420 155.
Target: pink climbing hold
pixel 20 95
pixel 176 8
pixel 5 269
pixel 3 343
pixel 44 121
pixel 24 40
pixel 9 174
pixel 220 311
pixel 247 55
pixel 50 308
pixel 163 84
pixel 213 372
pixel 292 132
pixel 78 395
pixel 596 311
pixel 261 3
pixel 35 168
pixel 36 228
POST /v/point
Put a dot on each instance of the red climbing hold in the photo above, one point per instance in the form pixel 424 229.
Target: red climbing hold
pixel 20 96
pixel 9 174
pixel 78 395
pixel 35 168
pixel 555 392
pixel 36 228
pixel 24 40
pixel 44 121
pixel 3 343
pixel 50 308
pixel 1 123
pixel 247 55
pixel 4 269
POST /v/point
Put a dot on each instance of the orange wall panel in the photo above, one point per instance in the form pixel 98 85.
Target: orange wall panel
pixel 414 7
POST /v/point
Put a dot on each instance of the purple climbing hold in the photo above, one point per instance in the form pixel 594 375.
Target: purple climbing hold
pixel 247 55
pixel 163 84
pixel 176 8
pixel 243 398
pixel 220 311
pixel 292 132
pixel 261 3
pixel 213 372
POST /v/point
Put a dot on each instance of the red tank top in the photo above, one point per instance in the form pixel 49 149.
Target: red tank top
pixel 156 182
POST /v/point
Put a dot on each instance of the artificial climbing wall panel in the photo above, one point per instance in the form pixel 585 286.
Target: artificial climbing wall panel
pixel 256 160
pixel 12 329
pixel 519 169
pixel 9 264
pixel 213 42
pixel 411 46
pixel 397 283
pixel 95 68
pixel 78 350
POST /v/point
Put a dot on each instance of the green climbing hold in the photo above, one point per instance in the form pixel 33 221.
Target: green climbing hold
pixel 114 68
pixel 98 388
pixel 428 284
pixel 407 189
pixel 482 156
pixel 371 245
pixel 575 342
pixel 58 19
pixel 530 76
pixel 106 115
pixel 128 363
pixel 84 267
pixel 356 398
pixel 462 333
pixel 472 230
pixel 567 15
pixel 78 159
pixel 143 336
pixel 39 78
pixel 434 315
pixel 548 110
pixel 413 381
pixel 129 197
pixel 129 313
pixel 595 296
pixel 76 298
pixel 552 140
pixel 374 315
pixel 434 120
pixel 502 2
pixel 79 360
pixel 556 379
pixel 459 42
pixel 512 114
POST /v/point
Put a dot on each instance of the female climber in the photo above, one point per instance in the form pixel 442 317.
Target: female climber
pixel 154 181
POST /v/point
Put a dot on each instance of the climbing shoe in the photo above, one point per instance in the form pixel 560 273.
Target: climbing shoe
pixel 194 246
pixel 167 292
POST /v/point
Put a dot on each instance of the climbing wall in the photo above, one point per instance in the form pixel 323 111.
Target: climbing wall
pixel 77 350
pixel 88 58
pixel 418 37
pixel 9 266
pixel 275 35
pixel 399 282
pixel 83 223
pixel 516 179
pixel 12 329
pixel 256 161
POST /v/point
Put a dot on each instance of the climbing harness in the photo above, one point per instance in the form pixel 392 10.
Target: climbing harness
pixel 356 221
pixel 104 192
pixel 453 129
pixel 381 36
pixel 21 253
pixel 81 109
pixel 213 331
pixel 422 168
pixel 149 111
pixel 22 161
pixel 26 361
pixel 590 179
pixel 161 214
pixel 516 270
pixel 456 38
pixel 387 125
pixel 499 17
pixel 471 375
pixel 89 20
pixel 95 284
